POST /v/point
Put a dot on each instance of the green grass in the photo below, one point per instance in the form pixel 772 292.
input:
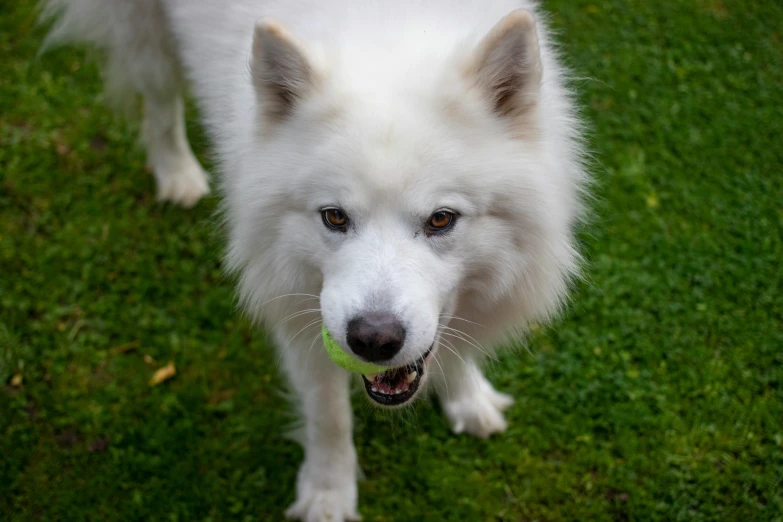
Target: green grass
pixel 658 397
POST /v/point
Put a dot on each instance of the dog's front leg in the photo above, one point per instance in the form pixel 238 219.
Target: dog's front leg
pixel 471 404
pixel 326 485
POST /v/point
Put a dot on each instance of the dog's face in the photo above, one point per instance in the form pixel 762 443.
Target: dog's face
pixel 405 187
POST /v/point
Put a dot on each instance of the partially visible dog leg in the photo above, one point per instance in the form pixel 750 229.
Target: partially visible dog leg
pixel 141 59
pixel 180 177
pixel 471 404
pixel 326 485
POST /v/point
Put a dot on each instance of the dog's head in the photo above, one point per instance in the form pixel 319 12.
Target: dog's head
pixel 406 185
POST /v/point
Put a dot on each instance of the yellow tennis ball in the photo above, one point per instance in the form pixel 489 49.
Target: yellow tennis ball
pixel 350 363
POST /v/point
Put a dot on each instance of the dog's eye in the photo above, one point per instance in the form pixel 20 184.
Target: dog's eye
pixel 440 221
pixel 334 218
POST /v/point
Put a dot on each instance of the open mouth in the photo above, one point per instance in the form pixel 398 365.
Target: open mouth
pixel 396 386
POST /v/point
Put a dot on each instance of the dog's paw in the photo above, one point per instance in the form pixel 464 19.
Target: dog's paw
pixel 337 503
pixel 479 413
pixel 184 186
pixel 324 505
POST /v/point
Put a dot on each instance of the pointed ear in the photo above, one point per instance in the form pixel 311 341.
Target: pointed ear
pixel 282 73
pixel 506 65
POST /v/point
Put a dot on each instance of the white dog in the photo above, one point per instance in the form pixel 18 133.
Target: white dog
pixel 407 172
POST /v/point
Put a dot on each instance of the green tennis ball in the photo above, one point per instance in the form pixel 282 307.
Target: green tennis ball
pixel 340 358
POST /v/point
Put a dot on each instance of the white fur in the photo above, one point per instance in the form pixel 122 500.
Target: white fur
pixel 178 173
pixel 401 109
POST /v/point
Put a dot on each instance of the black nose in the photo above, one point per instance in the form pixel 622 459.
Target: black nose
pixel 376 336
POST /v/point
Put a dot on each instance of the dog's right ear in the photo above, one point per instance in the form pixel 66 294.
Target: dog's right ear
pixel 282 73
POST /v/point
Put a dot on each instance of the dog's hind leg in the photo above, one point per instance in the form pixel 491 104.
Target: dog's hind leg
pixel 180 177
pixel 326 485
pixel 140 59
pixel 471 404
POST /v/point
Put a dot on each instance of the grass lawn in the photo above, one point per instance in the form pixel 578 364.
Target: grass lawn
pixel 659 396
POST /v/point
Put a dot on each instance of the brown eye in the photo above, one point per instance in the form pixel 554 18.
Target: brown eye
pixel 334 218
pixel 440 220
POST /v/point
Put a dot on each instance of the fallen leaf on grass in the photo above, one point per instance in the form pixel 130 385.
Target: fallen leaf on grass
pixel 221 396
pixel 99 445
pixel 163 374
pixel 68 439
pixel 16 380
pixel 98 142
pixel 127 347
pixel 62 149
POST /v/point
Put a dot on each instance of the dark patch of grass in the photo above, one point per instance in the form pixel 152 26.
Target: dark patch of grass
pixel 659 397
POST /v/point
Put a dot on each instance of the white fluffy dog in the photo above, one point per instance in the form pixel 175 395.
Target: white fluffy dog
pixel 407 172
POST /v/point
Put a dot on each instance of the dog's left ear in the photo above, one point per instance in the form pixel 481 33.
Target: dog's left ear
pixel 282 72
pixel 507 64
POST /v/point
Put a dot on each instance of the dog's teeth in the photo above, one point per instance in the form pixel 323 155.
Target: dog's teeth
pixel 371 376
pixel 411 377
pixel 374 389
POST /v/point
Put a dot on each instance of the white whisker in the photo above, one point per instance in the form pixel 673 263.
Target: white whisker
pixel 305 327
pixel 309 352
pixel 443 373
pixel 457 318
pixel 453 350
pixel 468 366
pixel 307 299
pixel 455 336
pixel 295 315
pixel 459 334
pixel 288 295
